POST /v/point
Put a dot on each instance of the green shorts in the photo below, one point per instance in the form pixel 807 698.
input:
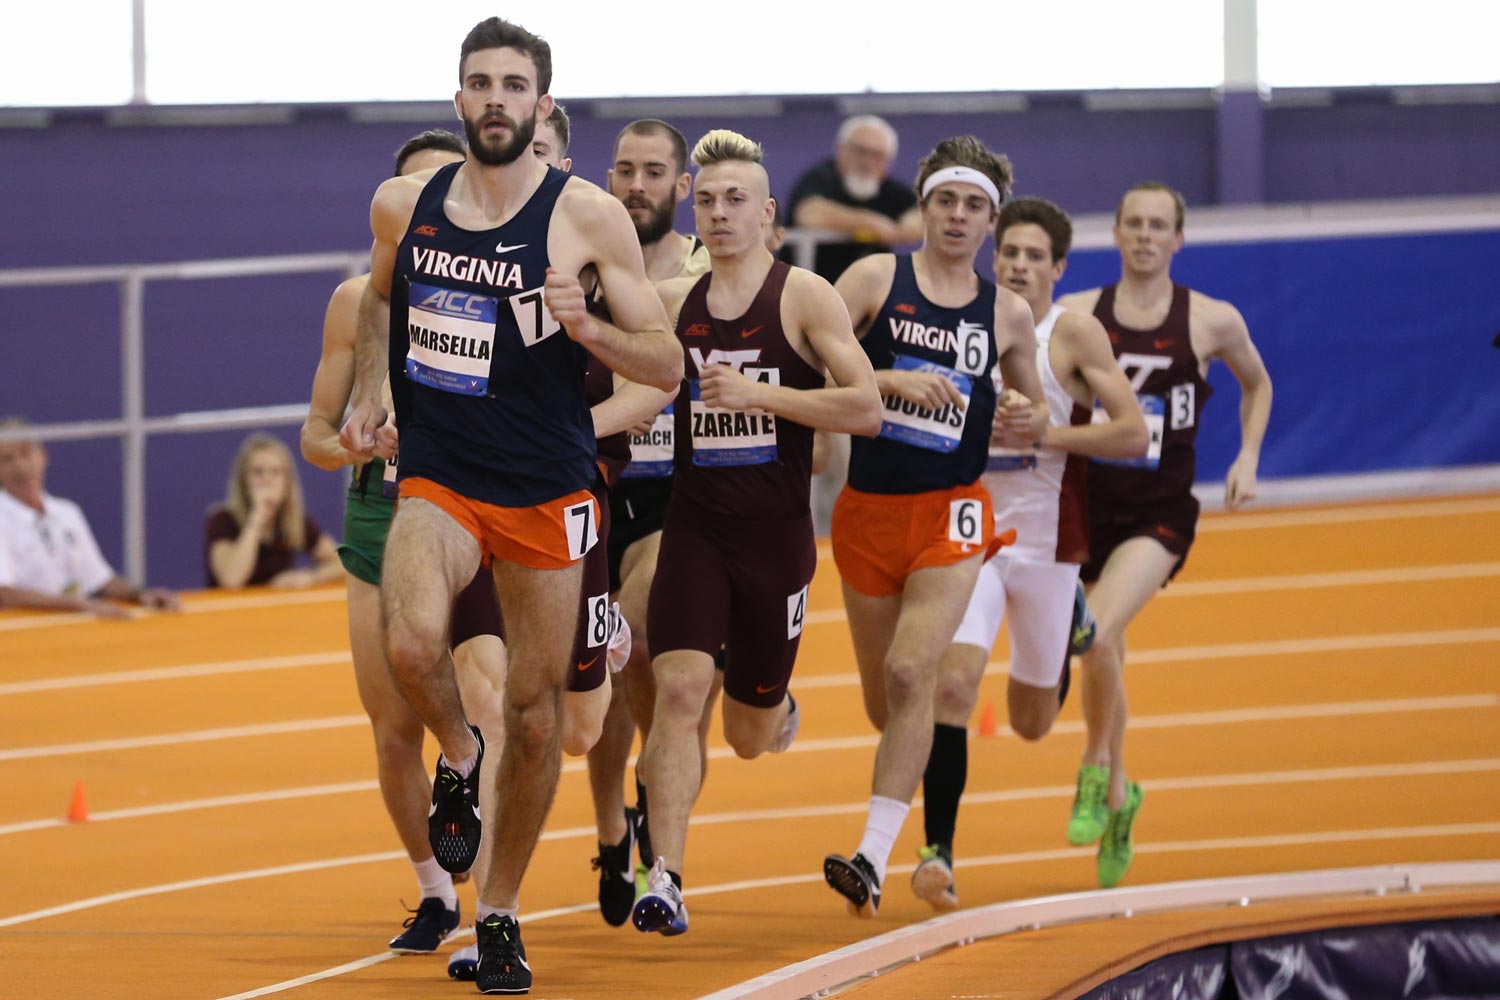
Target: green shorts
pixel 367 520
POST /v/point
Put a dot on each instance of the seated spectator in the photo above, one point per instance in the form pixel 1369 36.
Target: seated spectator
pixel 852 193
pixel 256 535
pixel 48 556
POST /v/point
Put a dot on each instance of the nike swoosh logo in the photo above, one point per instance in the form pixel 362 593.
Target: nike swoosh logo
pixel 747 334
pixel 1161 345
pixel 502 248
pixel 766 690
pixel 585 666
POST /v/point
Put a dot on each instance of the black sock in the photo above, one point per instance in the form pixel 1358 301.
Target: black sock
pixel 943 783
pixel 676 879
pixel 643 831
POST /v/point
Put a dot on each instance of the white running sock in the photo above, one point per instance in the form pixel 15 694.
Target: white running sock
pixel 435 882
pixel 881 830
pixel 483 911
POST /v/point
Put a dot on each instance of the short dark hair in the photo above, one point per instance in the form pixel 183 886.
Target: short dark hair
pixel 494 33
pixel 965 151
pixel 433 138
pixel 1178 202
pixel 1039 212
pixel 562 125
pixel 655 126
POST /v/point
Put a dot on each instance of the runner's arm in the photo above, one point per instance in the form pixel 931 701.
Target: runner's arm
pixel 1124 435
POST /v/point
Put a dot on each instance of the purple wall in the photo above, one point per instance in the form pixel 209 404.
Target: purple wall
pixel 82 191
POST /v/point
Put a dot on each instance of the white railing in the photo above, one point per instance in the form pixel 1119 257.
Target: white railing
pixel 133 426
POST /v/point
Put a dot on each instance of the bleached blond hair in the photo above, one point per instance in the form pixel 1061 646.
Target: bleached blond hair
pixel 723 145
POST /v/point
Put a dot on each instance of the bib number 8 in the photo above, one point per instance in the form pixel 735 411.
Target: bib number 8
pixel 964 521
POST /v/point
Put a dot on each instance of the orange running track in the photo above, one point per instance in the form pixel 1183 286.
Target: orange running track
pixel 1321 689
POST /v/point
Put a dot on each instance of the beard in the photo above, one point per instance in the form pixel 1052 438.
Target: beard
pixel 655 225
pixel 499 152
pixel 860 187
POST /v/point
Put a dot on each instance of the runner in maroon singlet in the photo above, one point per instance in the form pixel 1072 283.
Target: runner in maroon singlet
pixel 737 549
pixel 1142 514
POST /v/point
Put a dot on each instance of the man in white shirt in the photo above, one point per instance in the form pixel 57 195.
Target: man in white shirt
pixel 48 556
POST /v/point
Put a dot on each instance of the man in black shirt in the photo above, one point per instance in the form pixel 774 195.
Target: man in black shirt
pixel 850 193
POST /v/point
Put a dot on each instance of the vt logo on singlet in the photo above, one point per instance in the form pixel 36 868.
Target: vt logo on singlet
pixel 1138 368
pixel 452 338
pixel 723 437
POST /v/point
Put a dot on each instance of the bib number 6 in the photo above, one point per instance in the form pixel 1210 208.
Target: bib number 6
pixel 964 521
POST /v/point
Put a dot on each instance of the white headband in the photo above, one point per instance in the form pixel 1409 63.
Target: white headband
pixel 966 174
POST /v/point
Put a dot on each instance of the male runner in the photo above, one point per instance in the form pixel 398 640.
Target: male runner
pixel 478 652
pixel 1142 513
pixel 737 550
pixel 649 176
pixel 1039 491
pixel 913 525
pixel 478 271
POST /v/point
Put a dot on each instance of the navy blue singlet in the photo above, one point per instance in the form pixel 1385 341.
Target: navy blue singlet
pixel 489 389
pixel 920 450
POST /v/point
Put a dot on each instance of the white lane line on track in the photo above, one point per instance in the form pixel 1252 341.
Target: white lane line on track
pixel 1026 857
pixel 91 681
pixel 1190 588
pixel 1183 783
pixel 193 736
pixel 192 606
pixel 1347 515
pixel 711 819
pixel 1189 653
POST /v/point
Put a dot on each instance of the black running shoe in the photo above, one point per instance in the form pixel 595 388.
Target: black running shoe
pixel 616 868
pixel 502 957
pixel 642 831
pixel 453 822
pixel 428 924
pixel 854 879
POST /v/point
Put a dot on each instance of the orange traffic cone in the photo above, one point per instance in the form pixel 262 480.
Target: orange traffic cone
pixel 78 811
pixel 987 720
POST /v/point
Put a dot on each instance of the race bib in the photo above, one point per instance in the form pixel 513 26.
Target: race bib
pixel 596 613
pixel 724 437
pixel 796 613
pixel 966 521
pixel 452 339
pixel 388 487
pixel 1153 408
pixel 651 453
pixel 918 426
pixel 1010 459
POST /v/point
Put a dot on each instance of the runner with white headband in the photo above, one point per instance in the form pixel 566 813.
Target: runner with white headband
pixel 914 524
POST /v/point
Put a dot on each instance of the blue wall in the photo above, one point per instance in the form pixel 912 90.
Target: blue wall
pixel 1372 342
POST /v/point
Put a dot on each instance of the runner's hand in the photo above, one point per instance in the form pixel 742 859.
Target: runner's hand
pixel 358 435
pixel 926 389
pixel 564 298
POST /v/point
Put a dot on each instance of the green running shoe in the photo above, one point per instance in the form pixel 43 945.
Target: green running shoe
pixel 1090 811
pixel 1117 847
